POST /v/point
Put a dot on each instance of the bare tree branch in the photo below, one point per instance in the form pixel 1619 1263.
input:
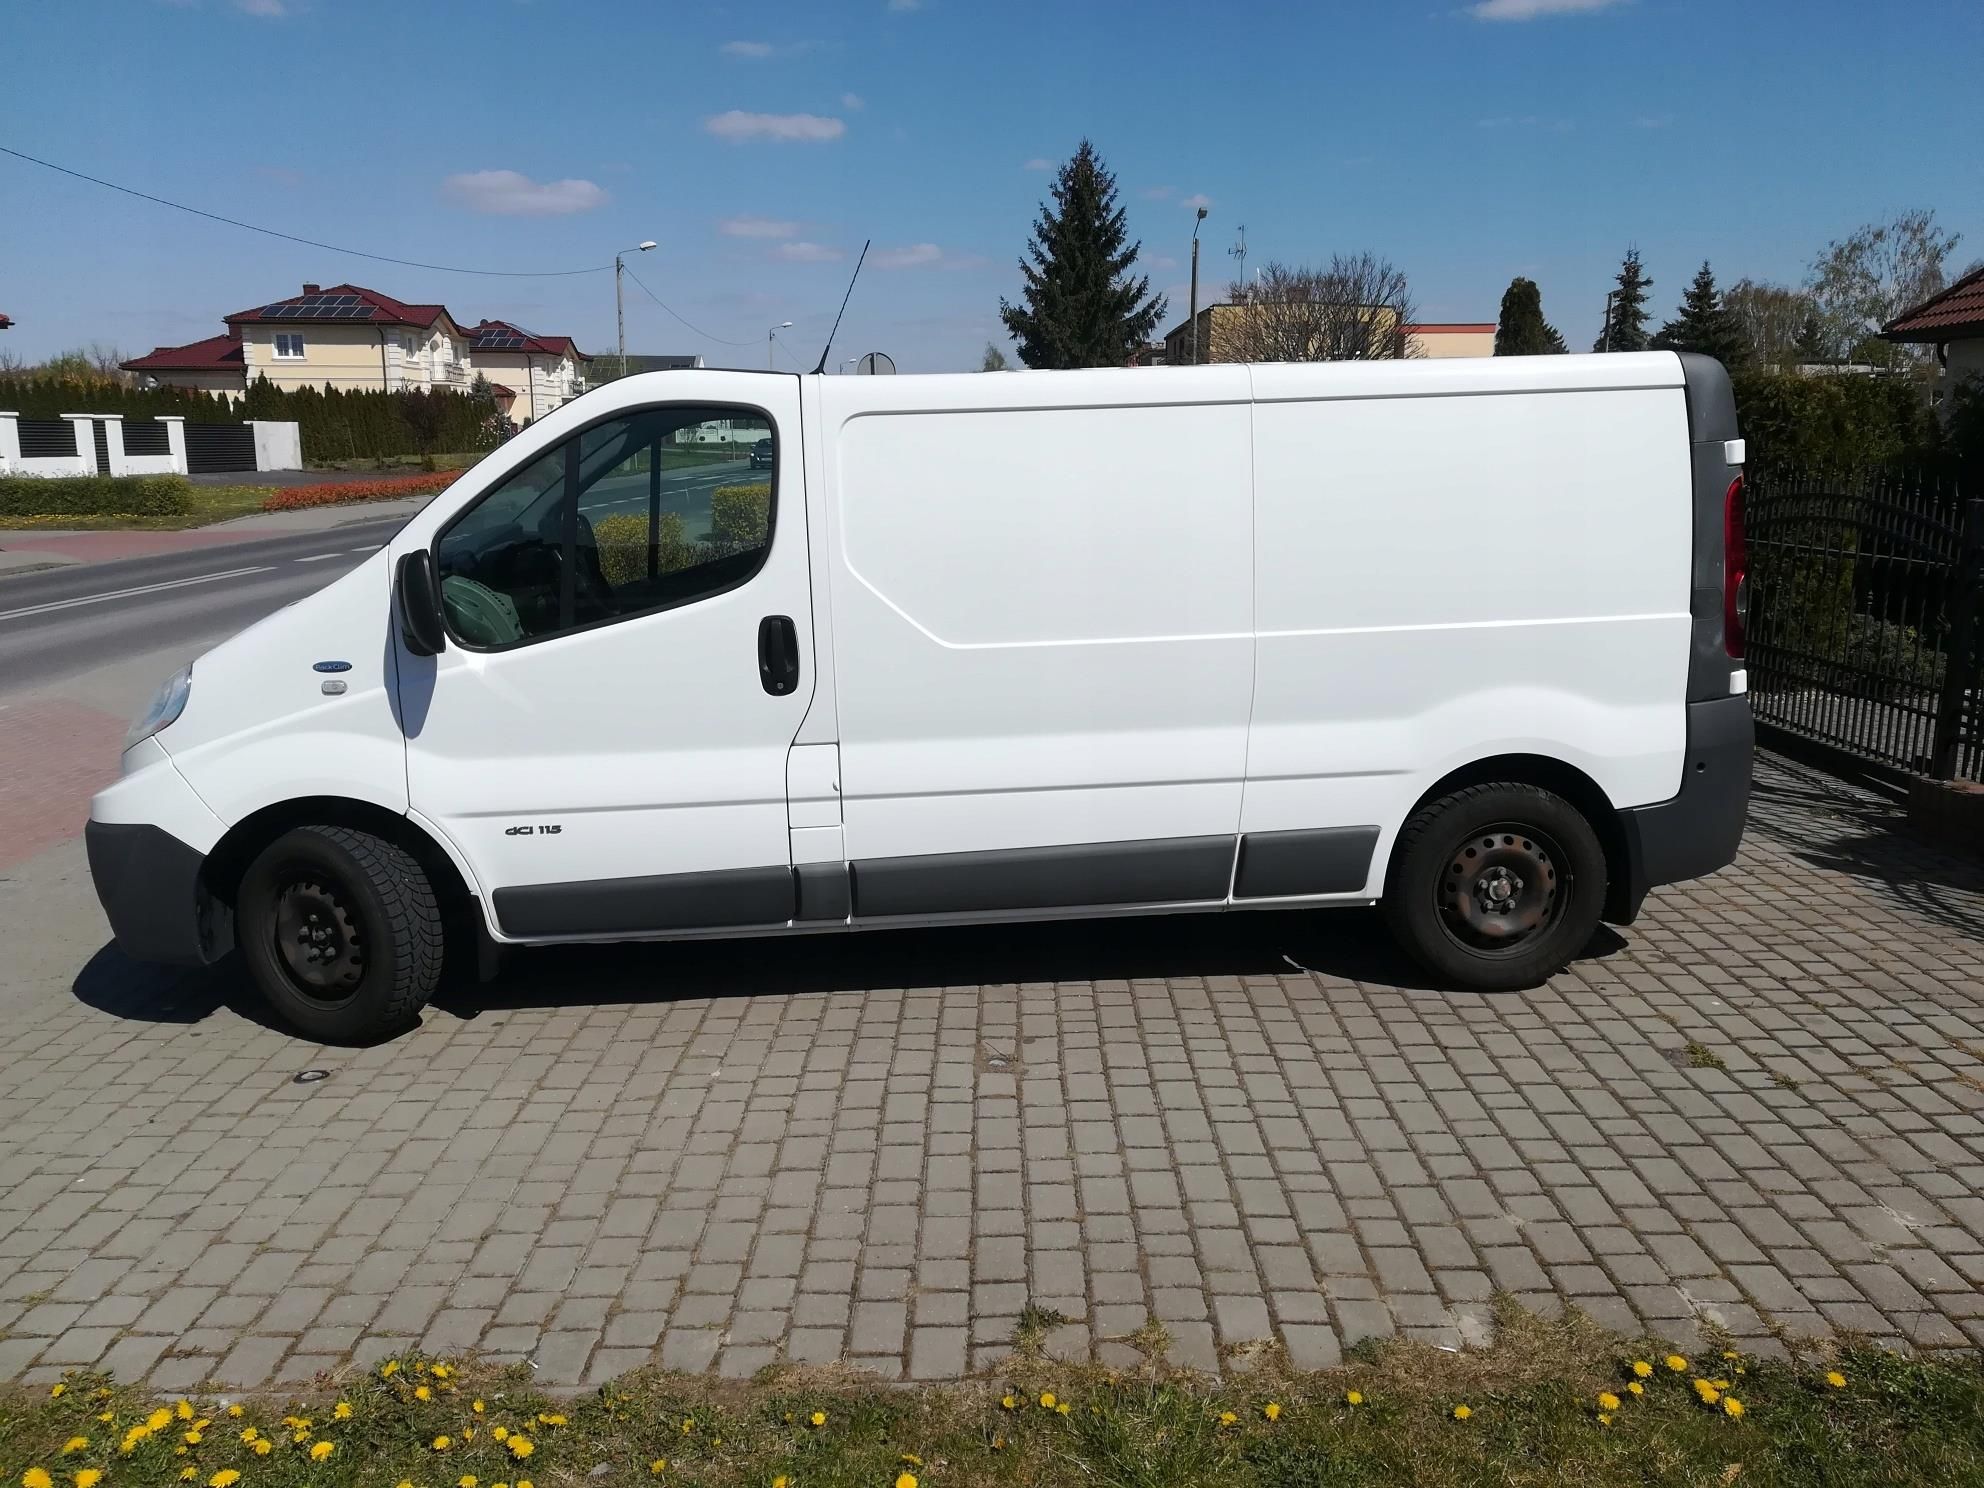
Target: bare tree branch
pixel 1354 310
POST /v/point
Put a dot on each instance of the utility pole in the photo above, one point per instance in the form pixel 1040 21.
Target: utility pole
pixel 619 302
pixel 1610 296
pixel 1201 217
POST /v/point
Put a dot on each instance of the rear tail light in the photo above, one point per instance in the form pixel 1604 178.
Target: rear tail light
pixel 1735 572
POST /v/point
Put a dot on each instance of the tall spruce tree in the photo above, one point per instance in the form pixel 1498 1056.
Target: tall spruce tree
pixel 1082 308
pixel 1629 314
pixel 1522 330
pixel 1705 324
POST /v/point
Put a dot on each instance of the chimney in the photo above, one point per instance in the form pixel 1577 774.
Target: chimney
pixel 313 289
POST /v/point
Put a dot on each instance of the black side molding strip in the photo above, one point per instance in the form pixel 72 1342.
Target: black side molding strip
pixel 824 891
pixel 1165 870
pixel 634 906
pixel 1323 860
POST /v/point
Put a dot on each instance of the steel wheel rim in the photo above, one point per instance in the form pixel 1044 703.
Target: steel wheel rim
pixel 317 943
pixel 1500 887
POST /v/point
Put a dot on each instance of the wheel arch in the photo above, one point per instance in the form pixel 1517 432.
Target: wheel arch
pixel 1560 779
pixel 222 871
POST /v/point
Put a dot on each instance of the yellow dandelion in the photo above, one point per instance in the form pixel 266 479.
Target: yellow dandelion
pixel 906 1480
pixel 404 1483
pixel 37 1477
pixel 1607 1401
pixel 1008 1402
pixel 1227 1418
pixel 1835 1379
pixel 320 1450
pixel 55 1393
pixel 912 1459
pixel 998 1444
pixel 1635 1388
pixel 187 1474
pixel 476 1406
pixel 1731 1354
pixel 107 1417
pixel 660 1464
pixel 1731 1406
pixel 75 1444
pixel 501 1433
pixel 184 1410
pixel 1462 1412
pixel 421 1392
pixel 1064 1407
pixel 818 1418
pixel 520 1446
pixel 779 1481
pixel 1676 1363
pixel 551 1419
pixel 341 1411
pixel 234 1410
pixel 467 1480
pixel 1272 1411
pixel 262 1446
pixel 1047 1400
pixel 1641 1368
pixel 89 1477
pixel 1710 1396
pixel 1353 1397
pixel 249 1433
pixel 299 1436
pixel 388 1369
pixel 158 1420
pixel 1720 1384
pixel 194 1438
pixel 1604 1418
pixel 225 1478
pixel 442 1443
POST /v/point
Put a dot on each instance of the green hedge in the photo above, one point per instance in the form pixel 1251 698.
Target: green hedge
pixel 740 516
pixel 95 496
pixel 1833 423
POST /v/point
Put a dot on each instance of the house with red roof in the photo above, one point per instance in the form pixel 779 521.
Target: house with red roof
pixel 347 336
pixel 211 366
pixel 532 374
pixel 1952 323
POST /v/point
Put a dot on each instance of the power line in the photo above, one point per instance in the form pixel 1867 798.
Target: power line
pixel 704 334
pixel 406 263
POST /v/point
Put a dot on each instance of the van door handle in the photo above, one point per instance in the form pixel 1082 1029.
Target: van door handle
pixel 778 654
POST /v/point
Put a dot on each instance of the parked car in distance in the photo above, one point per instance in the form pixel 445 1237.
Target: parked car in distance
pixel 1459 638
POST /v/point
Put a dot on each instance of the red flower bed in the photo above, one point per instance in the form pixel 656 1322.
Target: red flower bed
pixel 386 488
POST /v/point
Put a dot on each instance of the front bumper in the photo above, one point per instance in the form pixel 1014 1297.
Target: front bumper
pixel 148 882
pixel 1696 832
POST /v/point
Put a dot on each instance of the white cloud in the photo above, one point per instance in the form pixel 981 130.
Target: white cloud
pixel 755 227
pixel 1163 261
pixel 1193 203
pixel 752 49
pixel 1038 163
pixel 1653 121
pixel 1157 193
pixel 738 125
pixel 508 193
pixel 915 256
pixel 804 252
pixel 1529 10
pixel 854 103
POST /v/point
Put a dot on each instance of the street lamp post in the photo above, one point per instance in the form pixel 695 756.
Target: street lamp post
pixel 1195 284
pixel 620 304
pixel 771 336
pixel 1610 296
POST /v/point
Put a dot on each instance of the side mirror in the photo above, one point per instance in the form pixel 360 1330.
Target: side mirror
pixel 417 592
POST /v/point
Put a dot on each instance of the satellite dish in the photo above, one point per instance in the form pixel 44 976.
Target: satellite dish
pixel 876 364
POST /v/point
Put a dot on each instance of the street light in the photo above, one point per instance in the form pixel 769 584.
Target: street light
pixel 770 337
pixel 848 362
pixel 619 305
pixel 1201 217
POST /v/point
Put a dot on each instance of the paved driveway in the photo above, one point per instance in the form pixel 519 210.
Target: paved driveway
pixel 1759 1108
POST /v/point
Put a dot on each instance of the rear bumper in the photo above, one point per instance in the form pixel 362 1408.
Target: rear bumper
pixel 1696 833
pixel 148 882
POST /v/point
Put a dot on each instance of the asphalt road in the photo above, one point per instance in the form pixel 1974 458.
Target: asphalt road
pixel 57 625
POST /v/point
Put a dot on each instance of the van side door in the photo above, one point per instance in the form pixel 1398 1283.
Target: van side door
pixel 628 657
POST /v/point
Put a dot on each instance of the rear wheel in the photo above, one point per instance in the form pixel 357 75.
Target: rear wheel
pixel 1496 886
pixel 341 932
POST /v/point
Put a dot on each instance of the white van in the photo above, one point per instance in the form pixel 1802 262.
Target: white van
pixel 1461 637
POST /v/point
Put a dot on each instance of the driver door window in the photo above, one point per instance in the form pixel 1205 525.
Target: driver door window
pixel 640 513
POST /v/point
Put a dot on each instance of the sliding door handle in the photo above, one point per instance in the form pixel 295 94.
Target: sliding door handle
pixel 778 654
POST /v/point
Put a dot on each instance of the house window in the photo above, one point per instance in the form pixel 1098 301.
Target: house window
pixel 289 346
pixel 409 347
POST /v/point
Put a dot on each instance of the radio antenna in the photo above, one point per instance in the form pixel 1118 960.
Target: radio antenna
pixel 827 350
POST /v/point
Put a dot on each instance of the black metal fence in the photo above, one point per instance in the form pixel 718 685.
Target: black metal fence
pixel 1866 590
pixel 47 439
pixel 143 436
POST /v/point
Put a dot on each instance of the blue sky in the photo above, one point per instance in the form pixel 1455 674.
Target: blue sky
pixel 760 143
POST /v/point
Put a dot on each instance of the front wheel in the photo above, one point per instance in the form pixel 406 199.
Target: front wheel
pixel 341 932
pixel 1496 886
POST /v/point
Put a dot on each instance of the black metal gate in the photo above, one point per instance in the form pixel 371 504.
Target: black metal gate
pixel 146 437
pixel 1866 590
pixel 214 448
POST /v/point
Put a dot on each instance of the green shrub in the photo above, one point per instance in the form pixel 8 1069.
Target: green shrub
pixel 1839 423
pixel 623 546
pixel 95 496
pixel 740 516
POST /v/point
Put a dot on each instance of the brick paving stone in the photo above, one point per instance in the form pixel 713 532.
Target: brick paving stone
pixel 735 1153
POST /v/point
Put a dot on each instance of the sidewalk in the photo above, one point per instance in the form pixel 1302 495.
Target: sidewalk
pixel 33 548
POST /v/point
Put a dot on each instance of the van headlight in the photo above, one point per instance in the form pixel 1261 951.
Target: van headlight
pixel 165 707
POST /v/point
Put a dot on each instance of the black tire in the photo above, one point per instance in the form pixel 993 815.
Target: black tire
pixel 1496 886
pixel 341 932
